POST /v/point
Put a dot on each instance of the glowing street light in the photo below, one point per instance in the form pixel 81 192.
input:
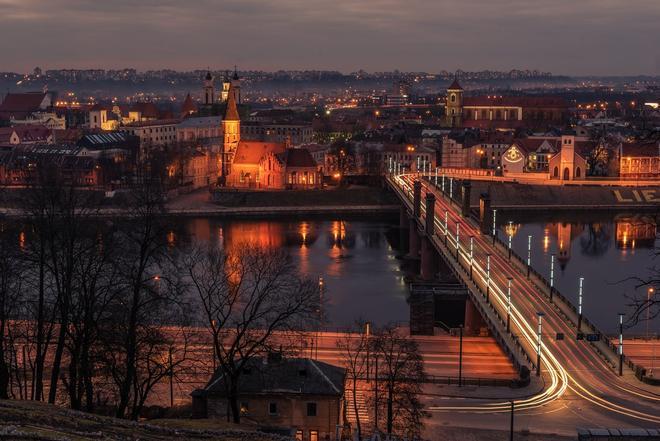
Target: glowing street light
pixel 488 278
pixel 443 183
pixel 552 275
pixel 538 344
pixel 510 237
pixel 494 225
pixel 436 176
pixel 508 304
pixel 529 254
pixel 458 226
pixel 451 188
pixel 580 305
pixel 471 254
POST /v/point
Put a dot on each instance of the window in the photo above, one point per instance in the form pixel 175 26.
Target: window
pixel 311 409
pixel 299 435
pixel 313 435
pixel 245 408
pixel 272 408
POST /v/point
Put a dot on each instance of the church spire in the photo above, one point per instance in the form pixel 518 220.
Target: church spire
pixel 231 113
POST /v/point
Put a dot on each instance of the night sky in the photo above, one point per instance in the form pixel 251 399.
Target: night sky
pixel 600 37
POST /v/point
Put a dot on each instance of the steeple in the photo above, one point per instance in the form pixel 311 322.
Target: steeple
pixel 209 89
pixel 231 113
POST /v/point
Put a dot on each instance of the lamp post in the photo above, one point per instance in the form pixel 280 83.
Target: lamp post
pixel 451 189
pixel 510 237
pixel 621 314
pixel 529 254
pixel 443 183
pixel 538 344
pixel 552 275
pixel 446 225
pixel 494 225
pixel 418 164
pixel 389 166
pixel 649 294
pixel 580 305
pixel 458 229
pixel 471 254
pixel 511 428
pixel 436 176
pixel 508 304
pixel 488 278
pixel 367 333
pixel 460 355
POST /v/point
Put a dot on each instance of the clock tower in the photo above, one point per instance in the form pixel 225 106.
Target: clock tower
pixel 454 105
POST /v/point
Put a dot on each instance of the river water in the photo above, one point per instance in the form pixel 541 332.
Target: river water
pixel 363 278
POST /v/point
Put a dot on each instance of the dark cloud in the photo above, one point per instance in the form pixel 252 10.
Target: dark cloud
pixel 562 36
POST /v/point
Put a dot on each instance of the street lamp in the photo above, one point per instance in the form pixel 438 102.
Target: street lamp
pixel 446 224
pixel 436 176
pixel 451 188
pixel 552 275
pixel 471 254
pixel 443 183
pixel 458 229
pixel 621 314
pixel 529 254
pixel 367 333
pixel 418 159
pixel 494 225
pixel 580 305
pixel 488 278
pixel 510 237
pixel 508 304
pixel 649 294
pixel 538 345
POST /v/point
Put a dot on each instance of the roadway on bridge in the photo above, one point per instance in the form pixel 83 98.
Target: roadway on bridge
pixel 582 389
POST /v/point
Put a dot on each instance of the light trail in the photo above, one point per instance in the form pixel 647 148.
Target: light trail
pixel 560 379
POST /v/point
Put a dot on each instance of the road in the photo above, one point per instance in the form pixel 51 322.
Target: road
pixel 582 389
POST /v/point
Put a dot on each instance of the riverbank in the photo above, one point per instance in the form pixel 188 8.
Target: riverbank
pixel 516 196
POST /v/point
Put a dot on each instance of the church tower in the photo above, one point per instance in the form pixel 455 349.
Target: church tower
pixel 226 84
pixel 236 86
pixel 454 105
pixel 231 132
pixel 209 92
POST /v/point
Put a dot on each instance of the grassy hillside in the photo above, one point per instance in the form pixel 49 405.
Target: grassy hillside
pixel 24 420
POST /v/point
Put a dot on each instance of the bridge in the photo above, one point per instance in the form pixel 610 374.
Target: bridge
pixel 524 312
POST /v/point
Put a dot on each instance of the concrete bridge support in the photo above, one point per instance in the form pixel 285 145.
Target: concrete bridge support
pixel 414 242
pixel 429 255
pixel 473 321
pixel 485 214
pixel 465 198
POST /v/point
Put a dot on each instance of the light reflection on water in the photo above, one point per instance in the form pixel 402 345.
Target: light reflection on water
pixel 610 252
pixel 362 277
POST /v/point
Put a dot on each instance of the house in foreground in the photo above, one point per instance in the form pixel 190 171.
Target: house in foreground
pixel 299 396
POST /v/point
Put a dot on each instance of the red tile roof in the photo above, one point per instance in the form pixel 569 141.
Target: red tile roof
pixel 633 149
pixel 188 106
pixel 148 110
pixel 515 101
pixel 455 85
pixel 19 105
pixel 251 152
pixel 297 158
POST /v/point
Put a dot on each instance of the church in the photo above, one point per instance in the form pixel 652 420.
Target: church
pixel 256 164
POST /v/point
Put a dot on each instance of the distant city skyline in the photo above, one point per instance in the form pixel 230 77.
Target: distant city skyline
pixel 590 37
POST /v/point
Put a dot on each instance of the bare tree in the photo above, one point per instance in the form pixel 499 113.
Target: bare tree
pixel 400 375
pixel 10 288
pixel 141 248
pixel 354 349
pixel 250 298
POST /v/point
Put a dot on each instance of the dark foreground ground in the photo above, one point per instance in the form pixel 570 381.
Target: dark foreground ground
pixel 21 420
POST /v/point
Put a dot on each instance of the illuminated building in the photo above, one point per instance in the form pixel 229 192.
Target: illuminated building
pixel 639 160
